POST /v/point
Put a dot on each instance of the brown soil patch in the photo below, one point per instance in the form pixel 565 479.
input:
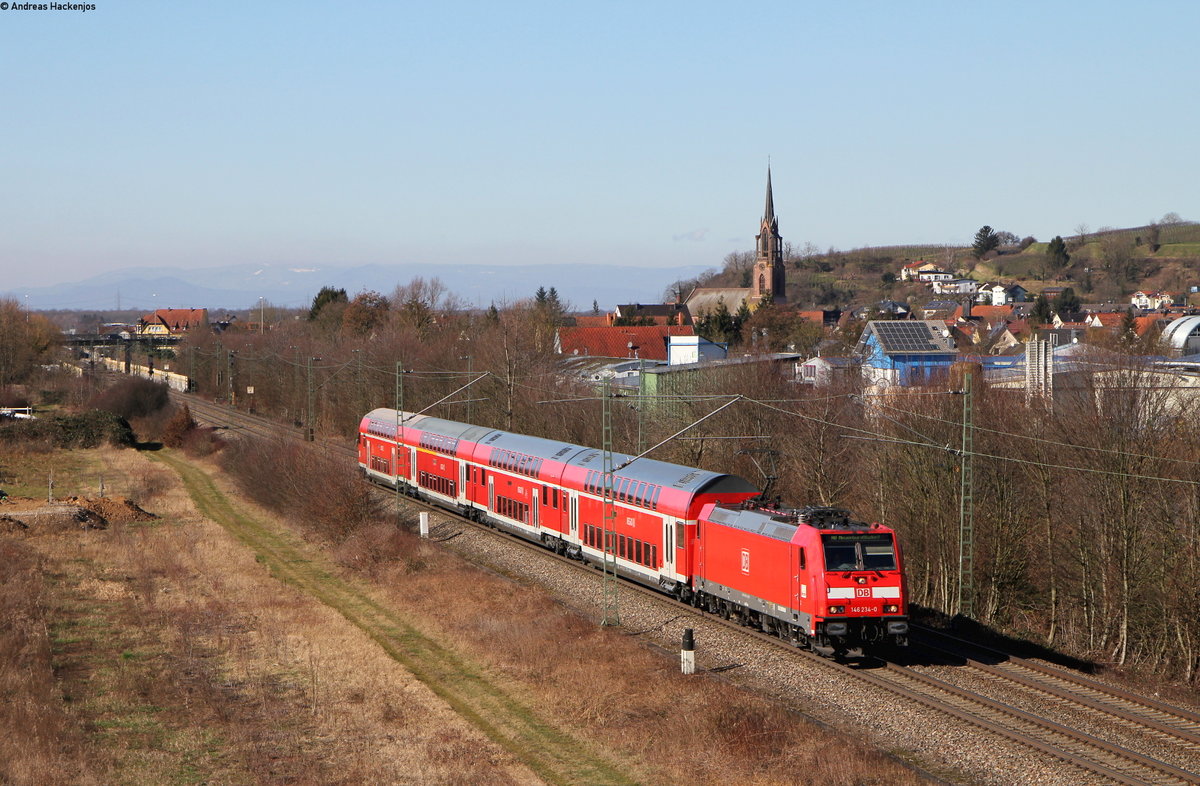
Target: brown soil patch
pixel 35 516
pixel 113 508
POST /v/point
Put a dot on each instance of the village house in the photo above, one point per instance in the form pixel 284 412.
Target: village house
pixel 956 286
pixel 646 342
pixel 1000 294
pixel 934 276
pixel 650 314
pixel 905 353
pixel 172 321
pixel 1152 301
pixel 825 371
pixel 911 271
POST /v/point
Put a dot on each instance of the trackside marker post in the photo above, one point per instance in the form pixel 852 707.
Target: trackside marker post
pixel 687 653
pixel 423 518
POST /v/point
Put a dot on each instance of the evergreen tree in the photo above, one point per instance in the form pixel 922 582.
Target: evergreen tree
pixel 1129 327
pixel 1056 253
pixel 986 240
pixel 326 296
pixel 595 308
pixel 1042 312
pixel 1067 303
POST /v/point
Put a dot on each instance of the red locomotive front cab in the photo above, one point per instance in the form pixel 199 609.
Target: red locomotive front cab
pixel 863 602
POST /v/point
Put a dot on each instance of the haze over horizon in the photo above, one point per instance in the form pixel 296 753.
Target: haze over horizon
pixel 313 135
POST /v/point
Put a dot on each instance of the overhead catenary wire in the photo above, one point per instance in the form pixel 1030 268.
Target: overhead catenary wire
pixel 877 437
pixel 1057 443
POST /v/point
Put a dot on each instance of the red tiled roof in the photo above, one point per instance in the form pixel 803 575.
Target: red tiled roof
pixel 649 342
pixel 813 316
pixel 1143 324
pixel 1113 319
pixel 992 314
pixel 177 318
pixel 1019 327
pixel 592 321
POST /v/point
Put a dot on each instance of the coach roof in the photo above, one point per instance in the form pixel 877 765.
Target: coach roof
pixel 665 474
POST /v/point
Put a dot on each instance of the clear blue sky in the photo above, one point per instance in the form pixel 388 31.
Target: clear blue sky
pixel 308 134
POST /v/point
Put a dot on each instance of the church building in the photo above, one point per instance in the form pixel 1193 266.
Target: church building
pixel 768 282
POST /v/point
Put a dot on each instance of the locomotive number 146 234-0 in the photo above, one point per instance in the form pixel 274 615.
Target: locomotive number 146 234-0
pixel 863 610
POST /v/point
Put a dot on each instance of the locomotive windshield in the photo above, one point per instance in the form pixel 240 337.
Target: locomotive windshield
pixel 859 551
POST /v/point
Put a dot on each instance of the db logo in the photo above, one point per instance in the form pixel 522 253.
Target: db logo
pixel 745 561
pixel 862 592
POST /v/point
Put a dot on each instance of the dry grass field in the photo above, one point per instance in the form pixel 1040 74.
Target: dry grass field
pixel 216 644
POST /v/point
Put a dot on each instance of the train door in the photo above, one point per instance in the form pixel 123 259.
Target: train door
pixel 462 480
pixel 574 515
pixel 491 493
pixel 796 560
pixel 668 548
pixel 535 506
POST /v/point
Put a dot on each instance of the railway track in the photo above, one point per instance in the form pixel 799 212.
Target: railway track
pixel 1160 718
pixel 1097 759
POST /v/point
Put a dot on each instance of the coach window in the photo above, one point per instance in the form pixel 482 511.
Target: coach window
pixel 801 558
pixel 554 498
pixel 654 501
pixel 637 551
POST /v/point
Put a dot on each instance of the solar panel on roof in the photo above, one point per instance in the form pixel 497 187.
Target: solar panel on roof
pixel 908 337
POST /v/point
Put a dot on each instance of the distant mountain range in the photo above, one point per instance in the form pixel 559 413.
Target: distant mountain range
pixel 239 287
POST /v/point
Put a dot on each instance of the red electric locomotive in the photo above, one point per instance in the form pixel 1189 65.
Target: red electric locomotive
pixel 812 576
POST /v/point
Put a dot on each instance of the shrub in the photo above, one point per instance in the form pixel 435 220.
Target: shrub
pixel 132 398
pixel 176 431
pixel 200 442
pixel 86 430
pixel 326 493
pixel 11 397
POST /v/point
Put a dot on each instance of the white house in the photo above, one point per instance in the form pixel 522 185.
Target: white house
pixel 1150 301
pixel 682 350
pixel 911 271
pixel 958 286
pixel 931 276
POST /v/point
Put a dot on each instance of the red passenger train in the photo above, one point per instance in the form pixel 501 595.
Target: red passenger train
pixel 813 576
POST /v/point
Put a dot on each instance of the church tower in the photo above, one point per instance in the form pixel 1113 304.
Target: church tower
pixel 770 277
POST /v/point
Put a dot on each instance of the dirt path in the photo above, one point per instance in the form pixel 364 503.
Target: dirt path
pixel 553 754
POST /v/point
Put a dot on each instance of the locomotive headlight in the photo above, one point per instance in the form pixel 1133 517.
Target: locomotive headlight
pixel 861 579
pixel 837 609
pixel 891 608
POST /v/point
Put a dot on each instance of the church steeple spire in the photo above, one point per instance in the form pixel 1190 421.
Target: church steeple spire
pixel 770 277
pixel 769 211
